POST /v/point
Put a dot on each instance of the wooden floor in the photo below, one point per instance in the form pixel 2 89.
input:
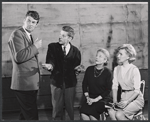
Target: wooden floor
pixel 47 114
pixel 43 115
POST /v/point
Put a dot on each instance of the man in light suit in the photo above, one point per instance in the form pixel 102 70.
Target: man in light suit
pixel 25 75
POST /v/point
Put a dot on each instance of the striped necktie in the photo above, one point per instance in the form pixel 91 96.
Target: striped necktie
pixel 64 50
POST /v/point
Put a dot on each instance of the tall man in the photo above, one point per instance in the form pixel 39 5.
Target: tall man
pixel 62 59
pixel 25 75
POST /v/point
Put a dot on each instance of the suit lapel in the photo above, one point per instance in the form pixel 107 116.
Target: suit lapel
pixel 70 51
pixel 30 42
pixel 25 34
pixel 60 51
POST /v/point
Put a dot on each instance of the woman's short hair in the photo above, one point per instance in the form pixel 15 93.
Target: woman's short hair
pixel 130 50
pixel 106 53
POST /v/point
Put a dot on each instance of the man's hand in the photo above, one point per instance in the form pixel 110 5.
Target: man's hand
pixel 38 43
pixel 47 66
pixel 79 69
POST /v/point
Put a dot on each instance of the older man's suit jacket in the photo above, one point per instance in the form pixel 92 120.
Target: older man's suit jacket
pixel 25 75
pixel 63 67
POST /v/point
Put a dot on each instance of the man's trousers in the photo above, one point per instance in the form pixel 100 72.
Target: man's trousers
pixel 62 98
pixel 28 104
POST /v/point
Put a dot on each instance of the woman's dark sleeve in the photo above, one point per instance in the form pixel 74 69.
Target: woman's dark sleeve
pixel 108 85
pixel 85 82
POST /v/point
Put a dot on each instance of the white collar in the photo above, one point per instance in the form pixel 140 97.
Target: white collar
pixel 67 48
pixel 127 66
pixel 26 32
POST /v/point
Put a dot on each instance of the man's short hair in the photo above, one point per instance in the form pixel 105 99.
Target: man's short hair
pixel 34 15
pixel 70 31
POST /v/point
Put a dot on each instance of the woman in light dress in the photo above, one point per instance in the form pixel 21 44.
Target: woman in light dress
pixel 128 77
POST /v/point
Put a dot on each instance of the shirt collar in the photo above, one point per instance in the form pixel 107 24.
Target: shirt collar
pixel 27 32
pixel 127 66
pixel 67 46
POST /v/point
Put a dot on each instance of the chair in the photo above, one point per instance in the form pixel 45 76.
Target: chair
pixel 103 116
pixel 139 115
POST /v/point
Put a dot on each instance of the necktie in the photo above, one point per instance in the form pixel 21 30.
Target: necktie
pixel 36 56
pixel 31 38
pixel 64 50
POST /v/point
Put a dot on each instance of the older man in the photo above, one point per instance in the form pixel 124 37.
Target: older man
pixel 62 59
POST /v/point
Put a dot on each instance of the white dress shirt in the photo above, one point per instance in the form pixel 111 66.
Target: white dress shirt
pixel 27 33
pixel 67 48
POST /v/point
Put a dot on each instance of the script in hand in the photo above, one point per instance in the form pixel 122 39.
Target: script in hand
pixel 109 105
pixel 116 107
pixel 112 105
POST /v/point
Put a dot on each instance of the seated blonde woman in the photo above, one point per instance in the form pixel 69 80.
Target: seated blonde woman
pixel 97 84
pixel 128 77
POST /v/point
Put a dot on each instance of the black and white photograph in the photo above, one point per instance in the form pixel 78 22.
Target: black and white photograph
pixel 74 61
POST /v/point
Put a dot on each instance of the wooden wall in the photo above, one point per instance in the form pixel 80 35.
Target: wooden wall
pixel 96 25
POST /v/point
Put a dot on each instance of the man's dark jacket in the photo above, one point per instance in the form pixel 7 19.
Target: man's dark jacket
pixel 63 66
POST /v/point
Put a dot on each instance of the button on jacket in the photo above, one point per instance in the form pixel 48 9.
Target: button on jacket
pixel 63 66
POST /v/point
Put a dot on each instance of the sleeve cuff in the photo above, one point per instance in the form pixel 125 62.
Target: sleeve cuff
pixel 137 91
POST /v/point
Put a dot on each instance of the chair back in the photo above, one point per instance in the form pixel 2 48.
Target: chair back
pixel 142 88
pixel 139 115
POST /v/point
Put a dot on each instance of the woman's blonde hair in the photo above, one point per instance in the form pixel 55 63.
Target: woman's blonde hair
pixel 130 50
pixel 106 53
